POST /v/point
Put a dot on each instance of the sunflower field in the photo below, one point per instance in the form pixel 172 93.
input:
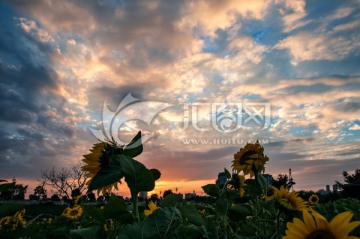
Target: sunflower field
pixel 245 207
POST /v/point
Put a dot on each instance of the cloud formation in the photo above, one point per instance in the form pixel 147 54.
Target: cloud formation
pixel 61 60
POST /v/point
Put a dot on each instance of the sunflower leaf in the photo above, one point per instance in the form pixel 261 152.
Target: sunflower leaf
pixel 135 147
pixel 105 177
pixel 155 173
pixel 227 173
pixel 117 209
pixel 211 190
pixel 162 223
pixel 137 176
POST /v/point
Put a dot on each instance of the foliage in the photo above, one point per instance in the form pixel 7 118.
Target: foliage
pixel 283 180
pixel 352 186
pixel 13 191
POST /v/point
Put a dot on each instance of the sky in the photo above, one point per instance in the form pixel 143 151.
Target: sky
pixel 295 63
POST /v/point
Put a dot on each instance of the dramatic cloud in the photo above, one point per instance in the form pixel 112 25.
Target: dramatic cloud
pixel 61 60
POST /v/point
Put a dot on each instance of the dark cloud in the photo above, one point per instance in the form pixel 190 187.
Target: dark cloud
pixel 315 88
pixel 31 110
pixel 350 104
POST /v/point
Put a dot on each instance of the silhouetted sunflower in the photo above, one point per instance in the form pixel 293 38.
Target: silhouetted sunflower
pixel 315 226
pixel 250 159
pixel 97 159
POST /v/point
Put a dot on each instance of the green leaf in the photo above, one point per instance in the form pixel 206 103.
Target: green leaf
pixel 137 176
pixel 239 211
pixel 221 205
pixel 95 213
pixel 262 182
pixel 156 173
pixel 227 173
pixel 105 177
pixel 60 233
pixel 192 215
pixel 211 190
pixel 117 209
pixel 86 233
pixel 162 223
pixel 253 188
pixel 172 199
pixel 135 147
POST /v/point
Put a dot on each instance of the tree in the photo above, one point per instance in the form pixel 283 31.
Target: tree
pixel 91 197
pixel 76 192
pixel 14 191
pixel 39 193
pixel 5 187
pixel 66 180
pixel 351 187
pixel 167 192
pixel 55 197
pixel 283 180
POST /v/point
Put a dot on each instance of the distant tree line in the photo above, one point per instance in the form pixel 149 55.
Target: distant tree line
pixel 67 184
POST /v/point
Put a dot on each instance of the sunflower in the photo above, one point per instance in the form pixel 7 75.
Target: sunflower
pixel 108 225
pixel 250 159
pixel 97 159
pixel 313 199
pixel 74 213
pixel 66 211
pixel 288 201
pixel 18 220
pixel 316 226
pixel 5 220
pixel 152 206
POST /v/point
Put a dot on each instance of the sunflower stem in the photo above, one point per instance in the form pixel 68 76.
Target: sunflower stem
pixel 134 198
pixel 278 223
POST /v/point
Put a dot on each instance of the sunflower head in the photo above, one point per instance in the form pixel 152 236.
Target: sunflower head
pixel 74 213
pixel 18 220
pixel 152 208
pixel 5 220
pixel 101 157
pixel 288 201
pixel 250 159
pixel 313 199
pixel 315 226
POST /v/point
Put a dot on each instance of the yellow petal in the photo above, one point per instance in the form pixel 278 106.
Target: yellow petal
pixel 309 221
